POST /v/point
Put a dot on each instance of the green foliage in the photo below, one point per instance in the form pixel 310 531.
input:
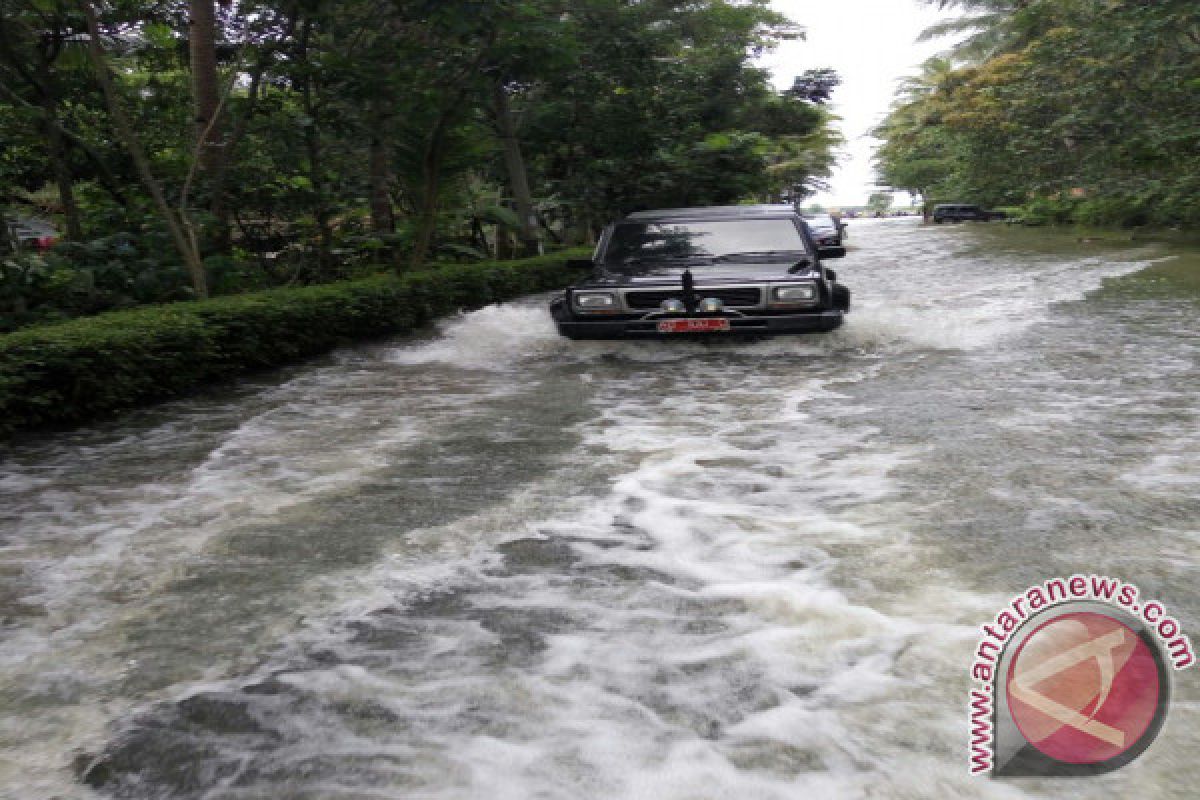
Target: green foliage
pixel 664 108
pixel 879 202
pixel 81 278
pixel 67 373
pixel 620 105
pixel 354 134
pixel 1079 110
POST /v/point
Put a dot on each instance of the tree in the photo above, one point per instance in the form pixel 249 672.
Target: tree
pixel 183 241
pixel 879 202
pixel 987 26
pixel 246 145
pixel 1079 109
pixel 35 39
pixel 209 145
pixel 514 164
pixel 815 85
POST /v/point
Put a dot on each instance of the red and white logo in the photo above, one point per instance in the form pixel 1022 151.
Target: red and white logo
pixel 1073 677
pixel 1084 688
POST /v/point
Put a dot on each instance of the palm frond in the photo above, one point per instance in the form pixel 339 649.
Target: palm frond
pixel 961 25
pixel 987 6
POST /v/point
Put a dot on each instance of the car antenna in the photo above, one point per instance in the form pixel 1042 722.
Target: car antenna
pixel 689 291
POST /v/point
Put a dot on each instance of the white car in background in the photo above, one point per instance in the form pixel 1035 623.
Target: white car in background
pixel 31 233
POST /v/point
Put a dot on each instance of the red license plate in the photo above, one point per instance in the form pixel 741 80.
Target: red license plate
pixel 706 325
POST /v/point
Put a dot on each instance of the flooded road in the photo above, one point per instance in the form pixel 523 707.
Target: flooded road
pixel 490 563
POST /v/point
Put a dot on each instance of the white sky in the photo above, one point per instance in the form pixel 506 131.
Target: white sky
pixel 872 44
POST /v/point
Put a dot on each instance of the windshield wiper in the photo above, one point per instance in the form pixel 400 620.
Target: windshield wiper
pixel 638 261
pixel 774 255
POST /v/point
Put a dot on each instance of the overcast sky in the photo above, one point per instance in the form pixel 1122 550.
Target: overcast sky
pixel 872 44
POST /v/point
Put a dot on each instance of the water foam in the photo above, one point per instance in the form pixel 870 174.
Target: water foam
pixel 905 307
pixel 717 596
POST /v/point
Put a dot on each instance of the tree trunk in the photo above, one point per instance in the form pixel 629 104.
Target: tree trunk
pixel 518 178
pixel 312 144
pixel 8 239
pixel 431 169
pixel 206 102
pixel 479 236
pixel 382 219
pixel 58 159
pixel 124 129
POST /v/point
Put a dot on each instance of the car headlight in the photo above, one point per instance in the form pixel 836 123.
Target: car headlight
pixel 595 302
pixel 799 293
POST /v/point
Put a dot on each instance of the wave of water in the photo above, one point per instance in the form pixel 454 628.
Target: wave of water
pixel 527 567
pixel 919 304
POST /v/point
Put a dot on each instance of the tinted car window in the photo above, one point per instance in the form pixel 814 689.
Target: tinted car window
pixel 645 242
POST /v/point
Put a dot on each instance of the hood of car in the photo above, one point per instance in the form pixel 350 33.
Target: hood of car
pixel 659 274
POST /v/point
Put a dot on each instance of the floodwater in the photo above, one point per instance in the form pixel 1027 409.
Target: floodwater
pixel 485 562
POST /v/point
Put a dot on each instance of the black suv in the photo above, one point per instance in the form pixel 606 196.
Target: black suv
pixel 721 270
pixel 958 212
pixel 827 231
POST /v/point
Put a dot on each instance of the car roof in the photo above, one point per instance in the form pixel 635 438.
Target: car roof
pixel 31 223
pixel 716 212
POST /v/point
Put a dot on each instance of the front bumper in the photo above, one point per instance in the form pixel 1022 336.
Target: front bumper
pixel 748 325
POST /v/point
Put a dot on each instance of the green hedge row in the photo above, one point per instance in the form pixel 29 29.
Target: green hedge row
pixel 72 372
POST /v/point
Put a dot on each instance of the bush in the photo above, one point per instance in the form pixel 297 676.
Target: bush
pixel 81 278
pixel 68 373
pixel 1049 211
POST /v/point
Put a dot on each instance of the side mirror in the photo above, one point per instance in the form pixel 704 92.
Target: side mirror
pixel 832 252
pixel 830 274
pixel 581 264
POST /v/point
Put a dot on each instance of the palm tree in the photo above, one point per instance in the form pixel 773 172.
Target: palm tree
pixel 989 24
pixel 934 72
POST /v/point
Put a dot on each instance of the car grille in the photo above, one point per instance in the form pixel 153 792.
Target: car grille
pixel 645 299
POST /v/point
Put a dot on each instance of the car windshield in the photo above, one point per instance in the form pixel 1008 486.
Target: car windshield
pixel 821 221
pixel 704 241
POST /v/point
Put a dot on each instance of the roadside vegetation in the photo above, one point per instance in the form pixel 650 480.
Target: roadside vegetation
pixel 194 149
pixel 1066 111
pixel 85 369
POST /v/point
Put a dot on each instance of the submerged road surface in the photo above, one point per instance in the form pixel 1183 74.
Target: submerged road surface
pixel 489 563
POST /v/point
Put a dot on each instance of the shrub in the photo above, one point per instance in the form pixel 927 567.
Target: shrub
pixel 71 372
pixel 1049 211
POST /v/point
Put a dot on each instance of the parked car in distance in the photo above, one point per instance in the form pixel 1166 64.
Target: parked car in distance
pixel 711 271
pixel 31 233
pixel 960 212
pixel 828 231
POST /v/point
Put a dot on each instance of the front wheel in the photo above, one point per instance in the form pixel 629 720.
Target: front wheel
pixel 841 297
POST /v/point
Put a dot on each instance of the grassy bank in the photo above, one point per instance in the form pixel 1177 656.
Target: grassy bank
pixel 1106 214
pixel 69 373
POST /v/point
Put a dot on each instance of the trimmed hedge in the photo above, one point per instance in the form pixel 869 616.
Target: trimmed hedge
pixel 72 372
